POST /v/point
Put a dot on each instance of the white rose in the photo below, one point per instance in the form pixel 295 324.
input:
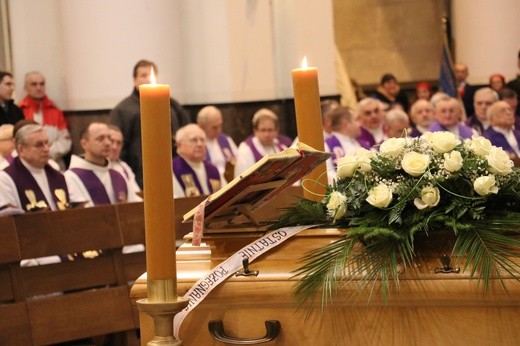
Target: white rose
pixel 430 197
pixel 426 136
pixel 480 145
pixel 499 161
pixel 364 157
pixel 442 142
pixel 392 147
pixel 485 185
pixel 347 165
pixel 380 196
pixel 452 161
pixel 337 205
pixel 414 163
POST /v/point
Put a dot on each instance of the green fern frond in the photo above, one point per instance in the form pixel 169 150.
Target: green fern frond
pixel 306 212
pixel 489 253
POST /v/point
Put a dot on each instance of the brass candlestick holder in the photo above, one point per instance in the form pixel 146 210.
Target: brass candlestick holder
pixel 162 305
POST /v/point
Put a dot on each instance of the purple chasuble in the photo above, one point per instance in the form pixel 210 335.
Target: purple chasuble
pixel 97 190
pixel 223 143
pixel 335 148
pixel 181 167
pixel 498 139
pixel 256 153
pixel 464 130
pixel 24 181
pixel 366 139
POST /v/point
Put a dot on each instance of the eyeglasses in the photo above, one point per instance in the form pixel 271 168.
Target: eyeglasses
pixel 40 144
pixel 195 140
pixel 371 111
pixel 37 83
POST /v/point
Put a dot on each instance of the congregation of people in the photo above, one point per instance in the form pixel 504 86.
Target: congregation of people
pixel 38 172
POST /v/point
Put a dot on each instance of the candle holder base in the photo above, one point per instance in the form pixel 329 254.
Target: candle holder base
pixel 162 314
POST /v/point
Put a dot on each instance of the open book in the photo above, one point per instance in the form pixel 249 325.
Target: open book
pixel 258 185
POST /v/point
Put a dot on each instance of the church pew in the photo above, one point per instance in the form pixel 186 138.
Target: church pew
pixel 14 322
pixel 73 299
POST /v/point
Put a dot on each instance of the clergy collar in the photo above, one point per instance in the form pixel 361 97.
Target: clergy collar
pixel 502 130
pixel 30 167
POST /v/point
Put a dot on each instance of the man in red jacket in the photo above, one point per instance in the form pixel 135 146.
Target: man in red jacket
pixel 38 107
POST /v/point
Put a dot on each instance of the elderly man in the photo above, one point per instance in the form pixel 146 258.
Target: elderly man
pixel 502 133
pixel 483 98
pixel 221 150
pixel 90 178
pixel 6 145
pixel 263 141
pixel 38 107
pixel 370 114
pixel 421 114
pixel 465 90
pixel 30 183
pixel 448 115
pixel 397 124
pixel 192 176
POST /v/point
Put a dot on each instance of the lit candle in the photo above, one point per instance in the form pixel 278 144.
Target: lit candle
pixel 309 124
pixel 159 206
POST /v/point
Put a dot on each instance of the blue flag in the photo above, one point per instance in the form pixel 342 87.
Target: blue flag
pixel 447 81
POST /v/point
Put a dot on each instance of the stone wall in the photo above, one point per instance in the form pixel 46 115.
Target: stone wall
pixel 402 37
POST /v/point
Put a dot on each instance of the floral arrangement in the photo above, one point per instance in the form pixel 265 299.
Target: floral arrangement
pixel 413 188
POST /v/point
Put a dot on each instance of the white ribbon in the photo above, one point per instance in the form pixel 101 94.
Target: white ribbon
pixel 201 289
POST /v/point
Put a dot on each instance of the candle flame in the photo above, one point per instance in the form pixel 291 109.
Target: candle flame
pixel 304 62
pixel 152 76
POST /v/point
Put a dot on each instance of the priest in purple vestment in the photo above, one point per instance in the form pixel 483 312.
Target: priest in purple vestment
pixel 501 132
pixel 192 175
pixel 264 140
pixel 448 117
pixel 221 150
pixel 370 114
pixel 30 183
pixel 90 177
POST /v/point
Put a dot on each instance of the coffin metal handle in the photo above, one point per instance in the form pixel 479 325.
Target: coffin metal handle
pixel 216 329
pixel 246 271
pixel 446 266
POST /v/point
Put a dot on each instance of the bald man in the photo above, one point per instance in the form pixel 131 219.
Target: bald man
pixel 192 176
pixel 221 150
pixel 38 107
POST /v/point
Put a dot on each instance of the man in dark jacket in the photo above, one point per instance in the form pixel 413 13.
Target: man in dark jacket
pixel 127 116
pixel 9 112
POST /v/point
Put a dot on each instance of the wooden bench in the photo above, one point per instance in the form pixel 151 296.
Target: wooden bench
pixel 69 300
pixel 14 321
pixel 77 299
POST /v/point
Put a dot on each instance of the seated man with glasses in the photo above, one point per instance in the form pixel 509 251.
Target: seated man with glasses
pixel 370 114
pixel 265 140
pixel 30 183
pixel 192 175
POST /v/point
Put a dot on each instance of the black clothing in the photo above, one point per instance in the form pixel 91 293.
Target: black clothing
pixel 127 116
pixel 10 113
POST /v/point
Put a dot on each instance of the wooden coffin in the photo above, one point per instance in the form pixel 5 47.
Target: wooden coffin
pixel 428 308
